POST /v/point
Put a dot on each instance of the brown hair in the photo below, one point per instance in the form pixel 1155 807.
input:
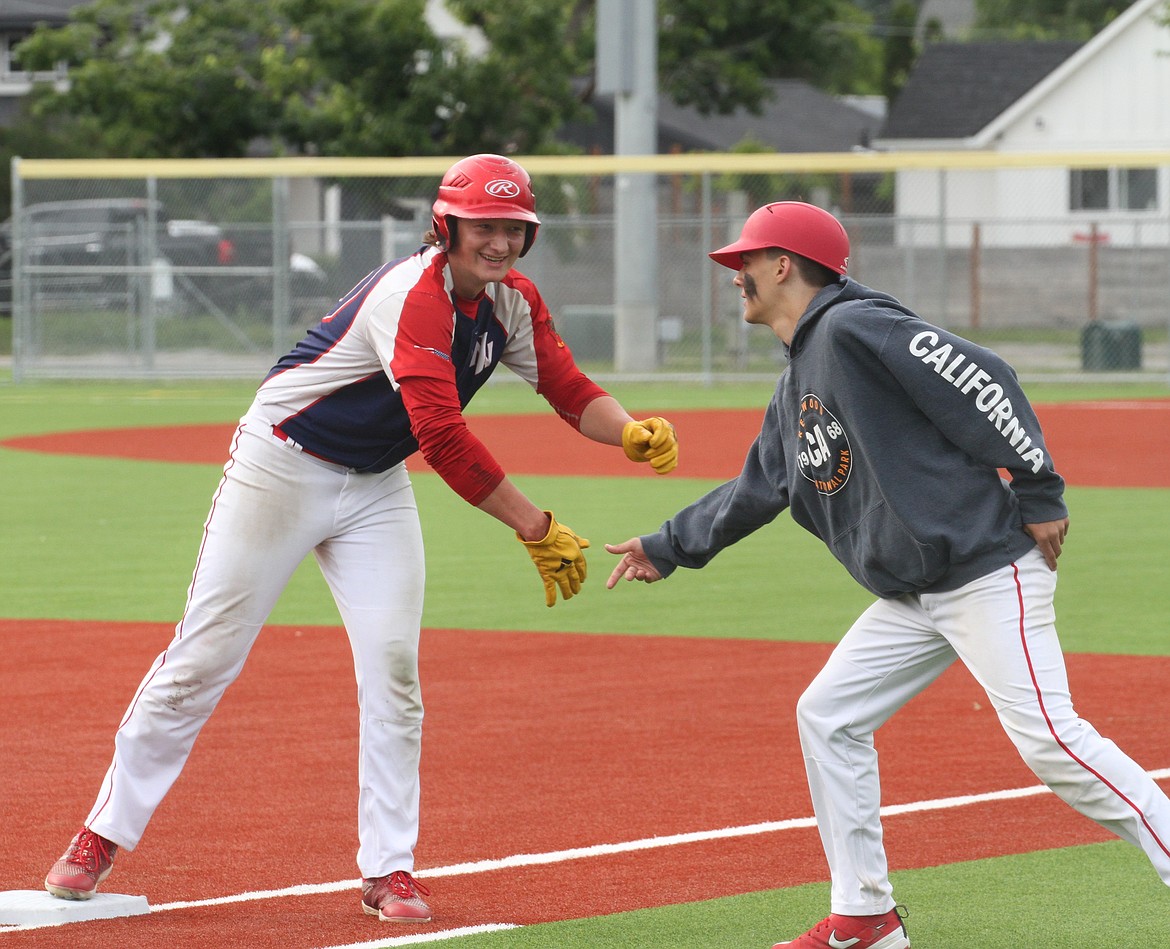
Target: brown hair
pixel 810 271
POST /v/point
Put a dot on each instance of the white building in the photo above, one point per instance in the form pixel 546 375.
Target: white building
pixel 1031 103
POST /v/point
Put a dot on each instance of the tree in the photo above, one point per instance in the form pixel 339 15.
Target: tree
pixel 716 56
pixel 38 138
pixel 208 78
pixel 213 78
pixel 525 86
pixel 366 78
pixel 900 48
pixel 1045 19
pixel 163 79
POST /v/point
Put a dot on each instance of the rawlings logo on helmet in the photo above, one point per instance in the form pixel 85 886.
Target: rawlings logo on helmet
pixel 484 186
pixel 502 188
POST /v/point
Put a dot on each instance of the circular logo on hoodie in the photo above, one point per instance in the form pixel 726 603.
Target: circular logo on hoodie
pixel 823 455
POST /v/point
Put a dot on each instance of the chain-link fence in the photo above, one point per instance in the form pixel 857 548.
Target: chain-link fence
pixel 142 269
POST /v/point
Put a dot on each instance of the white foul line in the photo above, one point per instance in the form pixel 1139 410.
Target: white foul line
pixel 746 830
pixel 416 938
pixel 581 853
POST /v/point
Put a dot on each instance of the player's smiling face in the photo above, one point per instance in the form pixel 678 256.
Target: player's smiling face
pixel 484 251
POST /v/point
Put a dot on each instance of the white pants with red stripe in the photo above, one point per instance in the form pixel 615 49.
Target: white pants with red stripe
pixel 1002 627
pixel 273 507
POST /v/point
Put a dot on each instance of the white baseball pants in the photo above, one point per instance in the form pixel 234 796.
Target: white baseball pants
pixel 275 505
pixel 1002 627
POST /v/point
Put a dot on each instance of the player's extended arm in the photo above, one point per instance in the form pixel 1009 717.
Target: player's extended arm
pixel 464 462
pixel 652 440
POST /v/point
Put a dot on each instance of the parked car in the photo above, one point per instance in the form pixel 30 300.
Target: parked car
pixel 88 243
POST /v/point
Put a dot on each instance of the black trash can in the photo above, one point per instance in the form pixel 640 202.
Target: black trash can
pixel 1111 344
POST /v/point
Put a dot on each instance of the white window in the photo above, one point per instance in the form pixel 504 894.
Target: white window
pixel 6 43
pixel 1113 189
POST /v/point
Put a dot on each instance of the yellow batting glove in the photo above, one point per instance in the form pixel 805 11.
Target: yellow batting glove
pixel 559 559
pixel 653 440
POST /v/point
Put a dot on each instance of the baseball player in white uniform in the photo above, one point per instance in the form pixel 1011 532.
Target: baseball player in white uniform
pixel 885 438
pixel 317 465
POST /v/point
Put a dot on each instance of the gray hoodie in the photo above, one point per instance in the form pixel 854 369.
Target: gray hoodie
pixel 885 438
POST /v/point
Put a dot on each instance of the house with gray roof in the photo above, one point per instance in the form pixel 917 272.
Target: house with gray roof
pixel 795 117
pixel 1025 107
pixel 957 89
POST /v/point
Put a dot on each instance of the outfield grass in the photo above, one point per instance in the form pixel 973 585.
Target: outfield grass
pixel 1080 898
pixel 113 539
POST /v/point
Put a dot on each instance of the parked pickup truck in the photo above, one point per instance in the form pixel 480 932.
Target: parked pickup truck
pixel 98 236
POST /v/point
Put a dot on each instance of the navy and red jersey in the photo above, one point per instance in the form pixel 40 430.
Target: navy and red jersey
pixel 390 370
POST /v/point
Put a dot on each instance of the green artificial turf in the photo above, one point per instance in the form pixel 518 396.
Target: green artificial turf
pixel 103 538
pixel 1090 897
pixel 91 538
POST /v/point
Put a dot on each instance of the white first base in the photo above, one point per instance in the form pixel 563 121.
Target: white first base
pixel 39 908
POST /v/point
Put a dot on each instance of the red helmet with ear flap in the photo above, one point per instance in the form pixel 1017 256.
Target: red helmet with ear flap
pixel 484 186
pixel 795 226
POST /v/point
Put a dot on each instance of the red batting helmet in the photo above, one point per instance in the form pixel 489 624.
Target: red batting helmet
pixel 794 226
pixel 485 186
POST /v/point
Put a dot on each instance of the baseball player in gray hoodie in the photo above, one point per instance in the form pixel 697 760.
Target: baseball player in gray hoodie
pixel 885 438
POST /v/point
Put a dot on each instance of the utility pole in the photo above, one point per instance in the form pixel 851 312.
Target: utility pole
pixel 627 67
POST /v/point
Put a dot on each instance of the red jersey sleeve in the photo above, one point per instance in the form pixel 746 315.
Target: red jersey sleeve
pixel 444 439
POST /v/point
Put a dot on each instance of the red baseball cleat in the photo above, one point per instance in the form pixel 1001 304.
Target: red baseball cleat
pixel 396 898
pixel 82 867
pixel 854 932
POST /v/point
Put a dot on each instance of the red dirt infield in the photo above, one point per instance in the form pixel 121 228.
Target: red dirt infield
pixel 535 743
pixel 1095 444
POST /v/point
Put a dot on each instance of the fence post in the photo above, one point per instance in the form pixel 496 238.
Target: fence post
pixel 1093 263
pixel 976 264
pixel 144 281
pixel 280 265
pixel 19 317
pixel 944 302
pixel 706 285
